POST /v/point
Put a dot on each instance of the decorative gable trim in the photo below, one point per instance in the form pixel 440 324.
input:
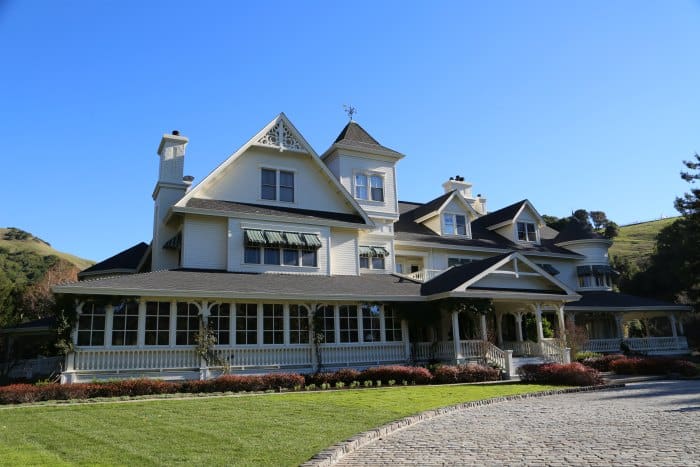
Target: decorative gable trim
pixel 279 133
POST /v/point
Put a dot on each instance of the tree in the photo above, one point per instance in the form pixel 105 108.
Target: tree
pixel 689 203
pixel 582 216
pixel 600 220
pixel 611 231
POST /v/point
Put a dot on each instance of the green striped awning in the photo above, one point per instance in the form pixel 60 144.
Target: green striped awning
pixel 275 238
pixel 380 251
pixel 293 239
pixel 366 251
pixel 312 241
pixel 174 243
pixel 255 237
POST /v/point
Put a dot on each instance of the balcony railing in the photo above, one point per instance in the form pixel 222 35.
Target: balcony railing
pixel 424 275
pixel 643 344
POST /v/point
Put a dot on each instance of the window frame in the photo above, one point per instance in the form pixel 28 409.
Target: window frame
pixel 156 317
pixel 192 318
pixel 96 311
pixel 298 324
pixel 128 315
pixel 453 222
pixel 369 189
pixel 348 324
pixel 526 231
pixel 221 313
pixel 278 188
pixel 273 324
pixel 246 313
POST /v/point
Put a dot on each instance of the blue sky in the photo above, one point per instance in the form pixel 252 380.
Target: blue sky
pixel 573 104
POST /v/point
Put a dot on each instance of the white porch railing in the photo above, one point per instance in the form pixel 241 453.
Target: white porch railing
pixel 642 344
pixel 375 353
pixel 424 274
pixel 135 359
pixel 522 349
pixel 552 351
pixel 473 348
pixel 434 351
pixel 243 356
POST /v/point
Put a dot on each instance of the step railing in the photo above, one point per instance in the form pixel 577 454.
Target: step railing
pixel 552 351
pixel 424 275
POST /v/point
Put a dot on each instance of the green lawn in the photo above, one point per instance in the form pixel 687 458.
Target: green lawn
pixel 274 429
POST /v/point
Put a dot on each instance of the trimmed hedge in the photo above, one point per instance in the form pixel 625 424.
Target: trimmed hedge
pixel 469 373
pixel 570 374
pixel 603 362
pixel 654 366
pixel 396 373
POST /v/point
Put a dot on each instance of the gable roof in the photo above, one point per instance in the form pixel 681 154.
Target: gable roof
pixel 273 211
pixel 353 136
pixel 433 207
pixel 472 273
pixel 282 134
pixel 576 230
pixel 126 261
pixel 504 215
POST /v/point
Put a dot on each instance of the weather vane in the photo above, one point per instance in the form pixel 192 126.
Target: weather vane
pixel 350 110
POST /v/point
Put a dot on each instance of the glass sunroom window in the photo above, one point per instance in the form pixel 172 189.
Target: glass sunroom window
pixel 187 323
pixel 91 325
pixel 157 323
pixel 125 323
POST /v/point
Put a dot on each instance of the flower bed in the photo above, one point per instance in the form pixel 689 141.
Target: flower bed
pixel 653 366
pixel 574 374
pixel 469 373
pixel 602 363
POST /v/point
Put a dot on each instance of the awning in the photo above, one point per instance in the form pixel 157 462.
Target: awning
pixel 312 241
pixel 366 251
pixel 174 243
pixel 550 269
pixel 255 238
pixel 604 269
pixel 294 239
pixel 380 251
pixel 275 238
pixel 583 271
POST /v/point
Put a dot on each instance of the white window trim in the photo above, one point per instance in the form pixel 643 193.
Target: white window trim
pixel 369 174
pixel 537 233
pixel 277 171
pixel 299 264
pixel 467 222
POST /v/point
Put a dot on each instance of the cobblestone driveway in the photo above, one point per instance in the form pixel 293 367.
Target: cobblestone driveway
pixel 650 423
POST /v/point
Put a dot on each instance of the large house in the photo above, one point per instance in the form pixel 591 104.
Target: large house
pixel 297 262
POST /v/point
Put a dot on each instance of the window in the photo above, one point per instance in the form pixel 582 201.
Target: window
pixel 157 323
pixel 348 323
pixel 298 324
pixel 272 256
pixel 309 258
pixel 290 257
pixel 252 255
pixel 598 275
pixel 328 323
pixel 377 185
pixel 527 232
pixel 186 324
pixel 372 257
pixel 369 186
pixel 220 322
pixel 361 186
pixel 454 224
pixel 269 188
pixel 281 248
pixel 371 331
pixel 125 323
pixel 273 324
pixel 458 261
pixel 91 325
pixel 392 325
pixel 246 323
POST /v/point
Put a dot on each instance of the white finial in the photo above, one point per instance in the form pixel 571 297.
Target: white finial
pixel 350 110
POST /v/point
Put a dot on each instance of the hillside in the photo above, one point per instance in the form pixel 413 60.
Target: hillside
pixel 28 269
pixel 636 241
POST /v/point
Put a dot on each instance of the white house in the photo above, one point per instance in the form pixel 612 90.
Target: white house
pixel 279 245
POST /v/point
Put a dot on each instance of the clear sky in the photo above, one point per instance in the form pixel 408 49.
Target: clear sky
pixel 571 104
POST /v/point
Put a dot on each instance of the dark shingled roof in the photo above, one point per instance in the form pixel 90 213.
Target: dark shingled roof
pixel 575 230
pixel 36 325
pixel 408 230
pixel 219 284
pixel 127 260
pixel 354 135
pixel 456 276
pixel 502 215
pixel 602 300
pixel 259 209
pixel 431 206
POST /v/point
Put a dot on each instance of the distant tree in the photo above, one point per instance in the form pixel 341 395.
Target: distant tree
pixel 582 216
pixel 689 203
pixel 599 219
pixel 611 230
pixel 557 223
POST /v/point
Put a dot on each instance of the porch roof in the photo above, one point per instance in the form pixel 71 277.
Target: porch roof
pixel 614 301
pixel 231 285
pixel 126 261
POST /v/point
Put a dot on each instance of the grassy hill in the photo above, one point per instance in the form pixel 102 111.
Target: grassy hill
pixel 15 240
pixel 636 241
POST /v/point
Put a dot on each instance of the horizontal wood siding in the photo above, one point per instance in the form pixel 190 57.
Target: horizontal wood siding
pixel 204 243
pixel 344 253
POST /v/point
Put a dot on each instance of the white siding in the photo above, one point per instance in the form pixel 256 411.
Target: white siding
pixel 348 165
pixel 236 247
pixel 511 282
pixel 241 182
pixel 434 224
pixel 333 164
pixel 344 253
pixel 204 242
pixel 379 241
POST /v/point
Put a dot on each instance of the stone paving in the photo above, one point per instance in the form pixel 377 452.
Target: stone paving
pixel 648 423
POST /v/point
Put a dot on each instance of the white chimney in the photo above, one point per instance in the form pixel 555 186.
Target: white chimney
pixel 170 188
pixel 457 183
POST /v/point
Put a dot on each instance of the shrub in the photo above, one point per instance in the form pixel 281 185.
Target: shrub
pixel 18 393
pixel 574 374
pixel 653 366
pixel 469 373
pixel 412 374
pixel 581 356
pixel 602 363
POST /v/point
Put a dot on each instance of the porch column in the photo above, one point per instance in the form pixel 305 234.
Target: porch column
pixel 562 323
pixel 672 319
pixel 406 340
pixel 519 327
pixel 618 324
pixel 312 336
pixel 681 331
pixel 499 329
pixel 141 337
pixel 538 319
pixel 455 336
pixel 109 321
pixel 484 334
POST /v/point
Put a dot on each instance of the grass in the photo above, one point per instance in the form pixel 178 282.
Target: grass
pixel 637 241
pixel 275 429
pixel 37 246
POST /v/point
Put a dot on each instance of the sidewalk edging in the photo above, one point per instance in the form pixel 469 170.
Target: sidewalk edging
pixel 333 454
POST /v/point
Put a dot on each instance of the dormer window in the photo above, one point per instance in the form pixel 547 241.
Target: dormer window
pixel 454 224
pixel 527 232
pixel 277 185
pixel 369 187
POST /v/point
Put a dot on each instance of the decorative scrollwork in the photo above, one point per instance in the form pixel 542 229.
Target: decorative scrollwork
pixel 280 136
